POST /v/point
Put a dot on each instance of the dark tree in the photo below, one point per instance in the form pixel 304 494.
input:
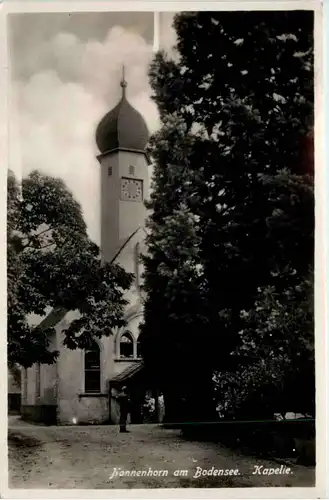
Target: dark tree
pixel 232 202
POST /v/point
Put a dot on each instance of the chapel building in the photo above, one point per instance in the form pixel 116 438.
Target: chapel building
pixel 80 386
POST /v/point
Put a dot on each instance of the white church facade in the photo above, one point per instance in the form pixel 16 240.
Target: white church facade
pixel 80 386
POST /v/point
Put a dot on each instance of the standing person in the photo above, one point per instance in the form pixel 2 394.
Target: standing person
pixel 123 400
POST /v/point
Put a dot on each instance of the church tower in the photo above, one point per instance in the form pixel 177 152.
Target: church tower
pixel 121 137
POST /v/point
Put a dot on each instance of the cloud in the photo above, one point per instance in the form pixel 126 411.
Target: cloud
pixel 54 113
pixel 168 36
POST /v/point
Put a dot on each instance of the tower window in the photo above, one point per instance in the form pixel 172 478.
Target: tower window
pixel 92 369
pixel 109 171
pixel 131 170
pixel 126 346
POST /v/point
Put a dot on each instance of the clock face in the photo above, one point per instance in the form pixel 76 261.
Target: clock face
pixel 131 189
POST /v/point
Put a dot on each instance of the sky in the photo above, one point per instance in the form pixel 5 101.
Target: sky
pixel 167 34
pixel 65 72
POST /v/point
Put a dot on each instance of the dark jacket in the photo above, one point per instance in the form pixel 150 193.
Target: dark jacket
pixel 123 401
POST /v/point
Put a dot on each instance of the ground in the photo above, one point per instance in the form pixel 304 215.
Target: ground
pixel 85 456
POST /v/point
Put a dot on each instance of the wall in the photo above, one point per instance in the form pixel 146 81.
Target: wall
pixel 74 405
pixel 14 393
pixel 132 214
pixel 39 390
pixel 13 386
pixel 30 396
pixel 120 218
pixel 48 378
pixel 109 205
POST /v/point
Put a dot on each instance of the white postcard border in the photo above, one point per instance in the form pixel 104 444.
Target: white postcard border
pixel 321 246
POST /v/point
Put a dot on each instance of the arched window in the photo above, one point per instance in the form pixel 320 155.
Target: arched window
pixel 126 346
pixel 93 369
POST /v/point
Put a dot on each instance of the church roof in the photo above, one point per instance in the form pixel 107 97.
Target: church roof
pixel 123 127
pixel 53 318
pixel 128 373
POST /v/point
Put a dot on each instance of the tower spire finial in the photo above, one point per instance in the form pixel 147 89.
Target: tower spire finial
pixel 123 82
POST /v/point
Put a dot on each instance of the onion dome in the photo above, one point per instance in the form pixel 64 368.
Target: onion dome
pixel 122 128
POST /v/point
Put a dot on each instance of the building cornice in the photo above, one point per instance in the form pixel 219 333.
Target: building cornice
pixel 128 150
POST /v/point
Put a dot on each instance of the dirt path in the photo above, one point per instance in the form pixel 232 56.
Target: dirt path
pixel 85 457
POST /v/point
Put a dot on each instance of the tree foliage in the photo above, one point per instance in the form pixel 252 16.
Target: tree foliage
pixel 278 342
pixel 236 104
pixel 53 265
